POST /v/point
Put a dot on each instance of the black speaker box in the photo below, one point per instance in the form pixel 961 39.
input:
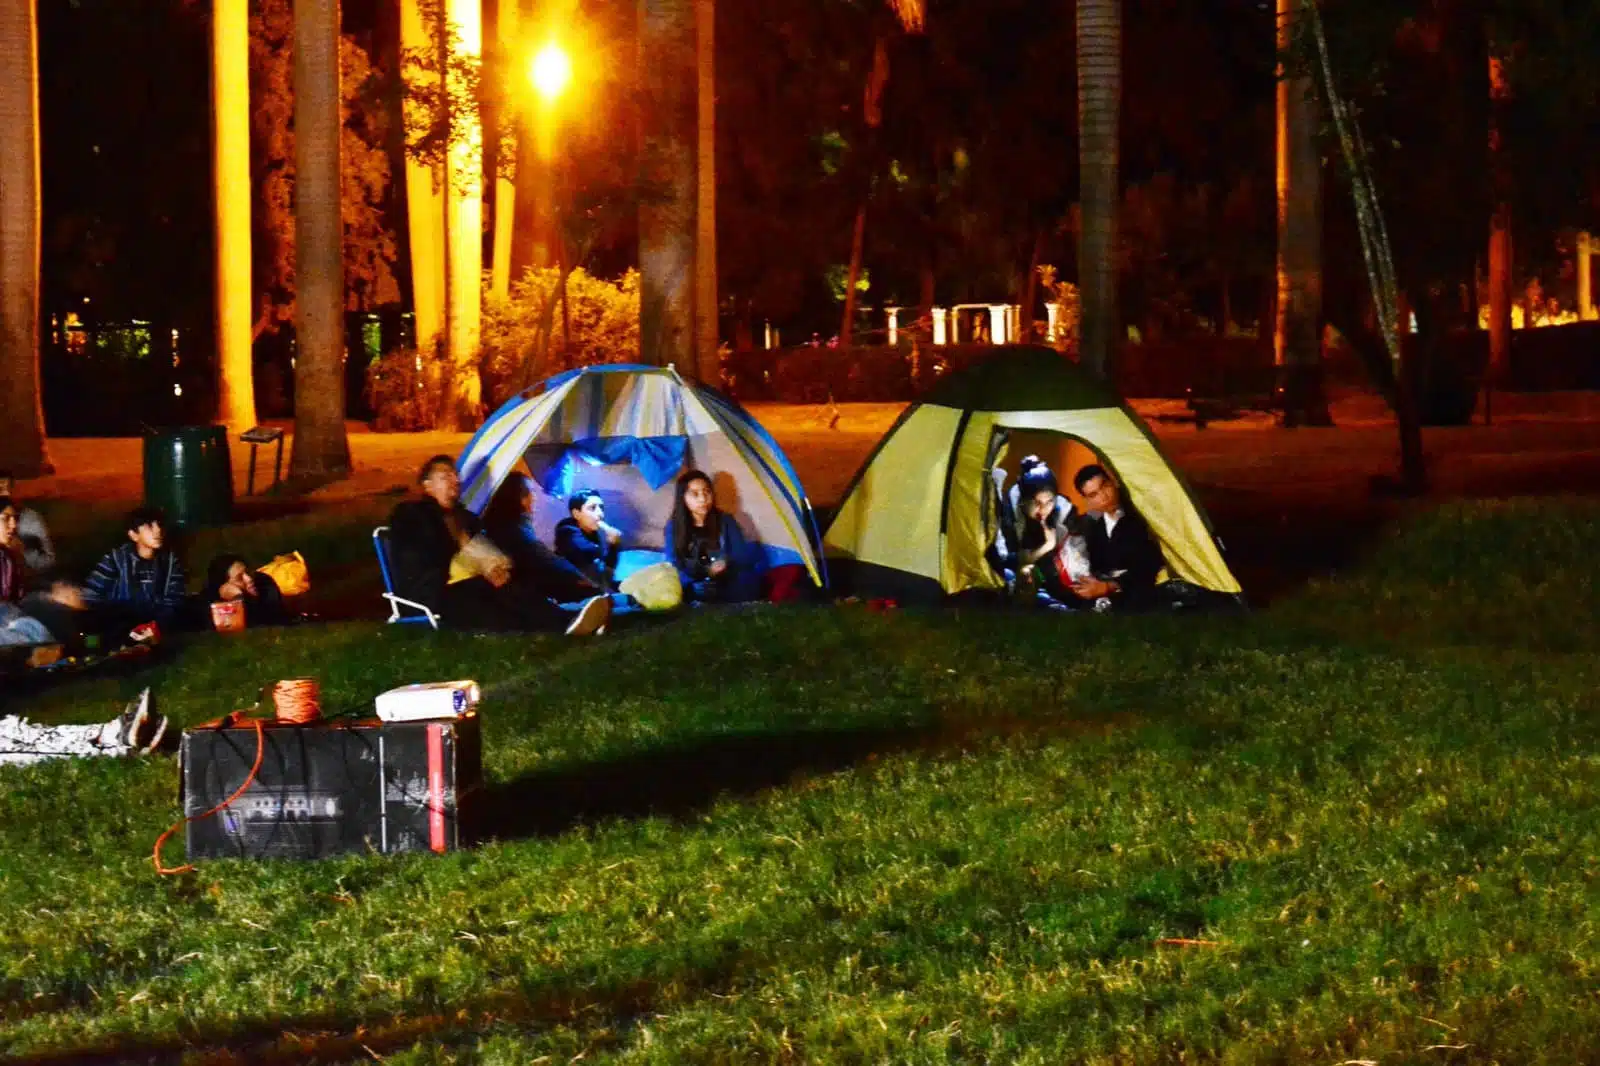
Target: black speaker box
pixel 330 788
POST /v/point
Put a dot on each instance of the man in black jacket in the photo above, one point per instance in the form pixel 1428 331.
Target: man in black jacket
pixel 1123 553
pixel 424 537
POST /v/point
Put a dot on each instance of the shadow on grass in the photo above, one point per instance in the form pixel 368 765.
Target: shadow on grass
pixel 332 1038
pixel 678 781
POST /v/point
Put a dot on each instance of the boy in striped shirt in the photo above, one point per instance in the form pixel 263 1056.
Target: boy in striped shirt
pixel 142 580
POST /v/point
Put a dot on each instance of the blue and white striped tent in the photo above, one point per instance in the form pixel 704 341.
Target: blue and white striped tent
pixel 627 432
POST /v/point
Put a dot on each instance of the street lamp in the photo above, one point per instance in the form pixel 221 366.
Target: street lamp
pixel 550 72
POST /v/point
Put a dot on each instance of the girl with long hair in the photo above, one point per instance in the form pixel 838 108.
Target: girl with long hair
pixel 715 562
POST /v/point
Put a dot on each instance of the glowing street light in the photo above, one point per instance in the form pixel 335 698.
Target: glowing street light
pixel 550 71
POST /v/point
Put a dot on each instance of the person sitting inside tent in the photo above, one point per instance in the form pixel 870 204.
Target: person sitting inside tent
pixel 142 580
pixel 230 580
pixel 1124 559
pixel 439 559
pixel 714 561
pixel 38 553
pixel 1036 525
pixel 508 521
pixel 585 540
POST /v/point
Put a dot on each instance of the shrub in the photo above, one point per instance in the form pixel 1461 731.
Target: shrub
pixel 407 391
pixel 523 341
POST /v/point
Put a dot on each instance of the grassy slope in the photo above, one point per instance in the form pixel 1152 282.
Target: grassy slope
pixel 921 837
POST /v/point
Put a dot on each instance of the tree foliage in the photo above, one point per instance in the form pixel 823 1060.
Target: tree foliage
pixel 369 246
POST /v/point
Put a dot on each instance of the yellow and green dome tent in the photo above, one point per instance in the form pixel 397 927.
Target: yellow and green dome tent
pixel 921 513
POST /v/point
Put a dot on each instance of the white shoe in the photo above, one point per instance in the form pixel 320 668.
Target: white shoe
pixel 135 717
pixel 591 618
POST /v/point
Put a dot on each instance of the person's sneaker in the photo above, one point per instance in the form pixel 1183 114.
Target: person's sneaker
pixel 134 720
pixel 591 618
pixel 1103 604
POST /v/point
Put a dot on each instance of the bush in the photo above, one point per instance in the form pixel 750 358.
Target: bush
pixel 603 320
pixel 407 391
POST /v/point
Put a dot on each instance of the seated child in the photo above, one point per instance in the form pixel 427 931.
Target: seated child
pixel 584 540
pixel 228 580
pixel 715 562
pixel 20 621
pixel 37 551
pixel 142 580
pixel 508 521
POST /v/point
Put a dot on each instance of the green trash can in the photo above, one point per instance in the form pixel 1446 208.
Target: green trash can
pixel 188 473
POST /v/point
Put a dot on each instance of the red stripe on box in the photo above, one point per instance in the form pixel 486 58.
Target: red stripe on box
pixel 436 787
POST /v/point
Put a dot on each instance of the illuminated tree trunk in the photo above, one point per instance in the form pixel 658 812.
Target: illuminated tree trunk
pixel 705 246
pixel 424 209
pixel 872 114
pixel 1297 330
pixel 505 190
pixel 1585 267
pixel 22 437
pixel 230 154
pixel 1500 247
pixel 464 231
pixel 1099 106
pixel 667 205
pixel 321 448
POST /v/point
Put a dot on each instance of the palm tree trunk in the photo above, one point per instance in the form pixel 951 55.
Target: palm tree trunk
pixel 230 153
pixel 321 448
pixel 1030 291
pixel 464 231
pixel 707 320
pixel 667 203
pixel 1500 246
pixel 424 211
pixel 22 436
pixel 503 94
pixel 1099 107
pixel 1297 333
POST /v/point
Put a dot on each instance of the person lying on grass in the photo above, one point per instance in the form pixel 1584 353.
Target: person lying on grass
pixel 508 521
pixel 38 552
pixel 585 540
pixel 1123 558
pixel 24 618
pixel 140 581
pixel 439 559
pixel 138 730
pixel 230 580
pixel 714 561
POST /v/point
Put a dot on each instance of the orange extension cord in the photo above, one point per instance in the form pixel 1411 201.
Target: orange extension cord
pixel 298 702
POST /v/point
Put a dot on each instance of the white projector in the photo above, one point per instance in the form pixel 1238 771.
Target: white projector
pixel 436 699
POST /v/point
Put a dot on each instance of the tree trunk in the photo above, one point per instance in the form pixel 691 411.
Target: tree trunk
pixel 321 448
pixel 1099 107
pixel 505 79
pixel 1297 327
pixel 709 370
pixel 667 204
pixel 1500 246
pixel 424 211
pixel 230 154
pixel 22 434
pixel 858 234
pixel 464 233
pixel 1030 291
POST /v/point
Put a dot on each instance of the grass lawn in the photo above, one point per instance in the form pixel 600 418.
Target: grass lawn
pixel 1371 815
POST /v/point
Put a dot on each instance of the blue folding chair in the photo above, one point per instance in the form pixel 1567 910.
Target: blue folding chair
pixel 380 544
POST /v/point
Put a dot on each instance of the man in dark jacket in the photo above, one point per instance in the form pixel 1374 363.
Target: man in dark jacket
pixel 425 535
pixel 1123 554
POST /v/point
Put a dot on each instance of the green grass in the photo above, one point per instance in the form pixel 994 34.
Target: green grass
pixel 830 835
